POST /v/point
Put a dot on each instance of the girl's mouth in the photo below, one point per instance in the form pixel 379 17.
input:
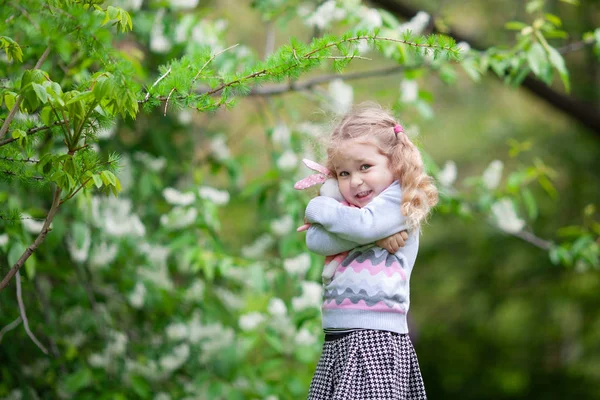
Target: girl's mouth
pixel 364 194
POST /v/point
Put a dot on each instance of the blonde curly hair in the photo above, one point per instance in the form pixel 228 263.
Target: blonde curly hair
pixel 371 123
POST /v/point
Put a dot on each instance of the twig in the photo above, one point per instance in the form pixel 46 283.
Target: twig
pixel 15 108
pixel 28 160
pixel 208 62
pixel 154 84
pixel 24 316
pixel 168 97
pixel 36 178
pixel 41 237
pixel 534 240
pixel 32 131
pixel 10 327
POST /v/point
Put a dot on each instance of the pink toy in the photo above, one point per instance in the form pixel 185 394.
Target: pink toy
pixel 331 189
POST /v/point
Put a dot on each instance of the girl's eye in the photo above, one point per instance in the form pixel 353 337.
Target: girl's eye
pixel 343 173
pixel 365 167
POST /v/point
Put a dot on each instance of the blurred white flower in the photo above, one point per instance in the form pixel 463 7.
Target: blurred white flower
pixel 258 247
pixel 305 338
pixel 177 331
pixel 175 359
pixel 126 173
pixel 106 133
pixel 179 217
pixel 447 176
pixel 277 307
pixel 220 338
pixel 185 117
pixel 409 90
pixel 464 47
pixel 113 215
pixel 155 164
pixel 297 265
pixel 341 95
pixel 370 18
pixel 231 300
pixel 131 5
pixel 79 247
pixel 311 129
pixel 32 225
pixel 183 4
pixel 218 146
pixel 175 197
pixel 288 161
pixel 417 24
pixel 195 292
pixel 103 254
pixel 4 239
pixel 117 344
pixel 282 226
pixel 159 42
pixel 137 297
pixel 218 197
pixel 325 14
pixel 97 360
pixel 272 397
pixel 162 396
pixel 506 216
pixel 157 271
pixel 493 174
pixel 251 320
pixel 310 297
pixel 281 135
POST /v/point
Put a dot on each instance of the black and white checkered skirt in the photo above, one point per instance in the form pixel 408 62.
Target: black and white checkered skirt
pixel 368 364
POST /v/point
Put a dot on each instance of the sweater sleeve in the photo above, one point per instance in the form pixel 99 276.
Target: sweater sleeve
pixel 379 219
pixel 322 242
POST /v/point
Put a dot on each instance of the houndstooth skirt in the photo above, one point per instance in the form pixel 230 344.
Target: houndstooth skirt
pixel 368 364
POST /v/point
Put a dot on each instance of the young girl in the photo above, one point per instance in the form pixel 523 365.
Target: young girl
pixel 367 352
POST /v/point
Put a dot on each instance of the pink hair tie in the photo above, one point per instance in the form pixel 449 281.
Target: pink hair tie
pixel 398 128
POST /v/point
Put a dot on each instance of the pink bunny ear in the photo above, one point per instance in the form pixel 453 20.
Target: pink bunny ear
pixel 310 181
pixel 316 166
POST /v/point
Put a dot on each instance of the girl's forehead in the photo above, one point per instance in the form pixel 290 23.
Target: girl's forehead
pixel 354 150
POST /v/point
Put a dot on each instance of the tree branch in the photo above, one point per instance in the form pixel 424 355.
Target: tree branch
pixel 24 316
pixel 10 327
pixel 39 240
pixel 32 131
pixel 15 108
pixel 586 114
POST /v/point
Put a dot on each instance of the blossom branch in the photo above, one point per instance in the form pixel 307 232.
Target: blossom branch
pixel 24 315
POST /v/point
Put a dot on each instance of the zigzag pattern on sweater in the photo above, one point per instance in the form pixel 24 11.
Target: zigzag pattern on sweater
pixel 392 268
pixel 360 255
pixel 371 284
pixel 362 300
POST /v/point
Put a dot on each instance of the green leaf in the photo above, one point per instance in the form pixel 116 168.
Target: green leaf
pixel 16 251
pixel 558 62
pixel 537 59
pixel 78 380
pixel 10 98
pixel 530 203
pixel 140 387
pixel 515 25
pixel 97 181
pixel 553 19
pixel 40 91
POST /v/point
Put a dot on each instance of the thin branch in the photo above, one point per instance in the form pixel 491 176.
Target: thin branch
pixel 15 108
pixel 168 97
pixel 24 160
pixel 24 316
pixel 32 131
pixel 208 62
pixel 156 82
pixel 534 240
pixel 41 237
pixel 10 327
pixel 76 191
pixel 37 178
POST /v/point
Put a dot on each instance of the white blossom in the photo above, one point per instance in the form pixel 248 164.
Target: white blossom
pixel 157 272
pixel 137 297
pixel 310 297
pixel 447 176
pixel 131 5
pixel 305 338
pixel 31 225
pixel 117 344
pixel 103 254
pixel 506 216
pixel 258 247
pixel 183 4
pixel 409 90
pixel 417 24
pixel 177 198
pixel 325 14
pixel 251 320
pixel 97 360
pixel 277 307
pixel 155 164
pixel 185 117
pixel 493 174
pixel 219 149
pixel 179 218
pixel 4 239
pixel 297 265
pixel 281 135
pixel 341 95
pixel 288 161
pixel 159 42
pixel 282 226
pixel 229 299
pixel 113 215
pixel 175 359
pixel 162 396
pixel 79 247
pixel 126 173
pixel 177 331
pixel 195 292
pixel 464 47
pixel 216 196
pixel 311 129
pixel 221 338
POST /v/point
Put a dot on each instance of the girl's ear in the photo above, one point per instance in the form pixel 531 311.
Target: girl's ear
pixel 310 181
pixel 316 166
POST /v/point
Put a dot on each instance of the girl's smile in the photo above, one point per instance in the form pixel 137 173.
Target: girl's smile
pixel 362 172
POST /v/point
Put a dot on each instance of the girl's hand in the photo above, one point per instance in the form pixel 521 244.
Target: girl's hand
pixel 393 243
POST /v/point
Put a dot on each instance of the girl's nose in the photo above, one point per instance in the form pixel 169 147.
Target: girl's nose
pixel 356 180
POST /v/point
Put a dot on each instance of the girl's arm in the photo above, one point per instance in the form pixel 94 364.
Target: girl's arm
pixel 379 219
pixel 322 242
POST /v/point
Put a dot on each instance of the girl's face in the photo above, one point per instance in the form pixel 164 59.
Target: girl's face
pixel 362 172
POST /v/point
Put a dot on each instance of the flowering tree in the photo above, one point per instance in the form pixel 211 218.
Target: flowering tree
pixel 118 241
